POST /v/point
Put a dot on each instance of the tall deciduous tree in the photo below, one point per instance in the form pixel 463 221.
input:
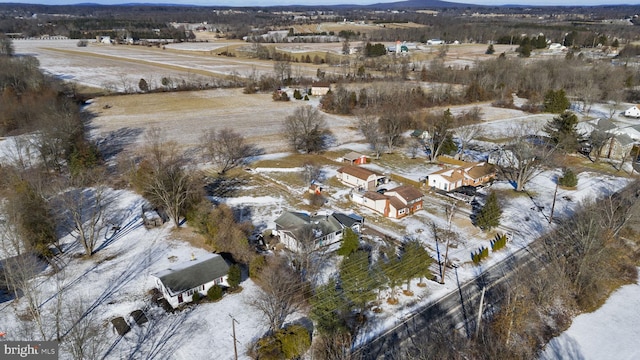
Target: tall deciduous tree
pixel 525 156
pixel 164 178
pixel 283 293
pixel 368 126
pixel 6 46
pixel 306 130
pixel 439 128
pixel 226 148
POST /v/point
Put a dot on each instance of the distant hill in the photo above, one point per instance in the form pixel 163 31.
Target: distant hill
pixel 420 4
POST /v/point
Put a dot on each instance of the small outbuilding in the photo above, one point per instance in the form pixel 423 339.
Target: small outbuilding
pixel 633 112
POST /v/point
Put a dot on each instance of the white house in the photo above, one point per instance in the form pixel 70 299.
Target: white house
pixel 320 88
pixel 296 228
pixel 179 282
pixel 360 178
pixel 633 112
pixel 470 174
pixel 395 203
pixel 435 42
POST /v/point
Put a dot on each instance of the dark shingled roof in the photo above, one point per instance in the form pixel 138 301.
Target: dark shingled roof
pixel 192 274
pixel 348 220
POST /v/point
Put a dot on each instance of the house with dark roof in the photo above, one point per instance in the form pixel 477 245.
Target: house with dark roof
pixel 179 282
pixel 320 88
pixel 302 231
pixel 360 178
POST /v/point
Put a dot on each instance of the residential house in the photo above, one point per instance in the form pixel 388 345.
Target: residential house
pixel 395 203
pixel 633 112
pixel 354 158
pixel 471 174
pixel 618 147
pixel 179 282
pixel 320 88
pixel 360 178
pixel 421 135
pixel 295 228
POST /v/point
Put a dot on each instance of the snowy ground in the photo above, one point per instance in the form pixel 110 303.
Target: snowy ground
pixel 610 332
pixel 116 280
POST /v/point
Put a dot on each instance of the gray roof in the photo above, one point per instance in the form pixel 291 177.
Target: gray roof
pixel 189 275
pixel 294 222
pixel 605 125
pixel 348 220
pixel 624 139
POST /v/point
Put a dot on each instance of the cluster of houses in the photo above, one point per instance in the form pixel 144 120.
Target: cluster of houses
pixel 623 141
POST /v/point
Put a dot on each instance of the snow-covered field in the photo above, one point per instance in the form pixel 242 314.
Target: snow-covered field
pixel 116 280
pixel 610 332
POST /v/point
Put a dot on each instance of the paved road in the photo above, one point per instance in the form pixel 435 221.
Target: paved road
pixel 457 309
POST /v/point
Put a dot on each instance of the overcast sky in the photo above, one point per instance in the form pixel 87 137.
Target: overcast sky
pixel 326 2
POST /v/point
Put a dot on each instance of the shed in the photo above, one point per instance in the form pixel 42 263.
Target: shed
pixel 354 158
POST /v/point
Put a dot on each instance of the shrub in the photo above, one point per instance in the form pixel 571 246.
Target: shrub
pixel 288 343
pixel 479 255
pixel 196 297
pixel 568 179
pixel 256 265
pixel 294 341
pixel 499 242
pixel 489 216
pixel 214 293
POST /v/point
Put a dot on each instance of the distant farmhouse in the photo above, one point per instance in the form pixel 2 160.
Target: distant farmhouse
pixel 178 283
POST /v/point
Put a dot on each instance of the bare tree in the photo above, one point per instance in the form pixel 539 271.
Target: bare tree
pixel 525 156
pixel 466 134
pixel 164 177
pixel 392 124
pixel 439 129
pixel 282 70
pixel 84 214
pixel 282 294
pixel 226 148
pixel 368 126
pixel 86 337
pixel 306 129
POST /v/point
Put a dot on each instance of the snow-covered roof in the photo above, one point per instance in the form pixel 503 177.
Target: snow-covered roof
pixel 189 275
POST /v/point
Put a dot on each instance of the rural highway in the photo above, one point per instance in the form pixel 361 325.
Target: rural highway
pixel 458 309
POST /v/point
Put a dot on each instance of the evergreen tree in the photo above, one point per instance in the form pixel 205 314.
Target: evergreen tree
pixel 563 131
pixel 392 270
pixel 357 281
pixel 556 101
pixel 568 179
pixel 327 309
pixel 489 215
pixel 490 50
pixel 350 243
pixel 415 262
pixel 142 84
pixel 234 277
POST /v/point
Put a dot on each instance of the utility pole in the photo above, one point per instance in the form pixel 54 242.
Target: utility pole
pixel 553 205
pixel 480 311
pixel 233 327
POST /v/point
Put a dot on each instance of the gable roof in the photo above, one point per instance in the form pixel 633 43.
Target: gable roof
pixel 348 220
pixel 352 156
pixel 189 275
pixel 407 192
pixel 294 223
pixel 605 125
pixel 358 172
pixel 479 171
